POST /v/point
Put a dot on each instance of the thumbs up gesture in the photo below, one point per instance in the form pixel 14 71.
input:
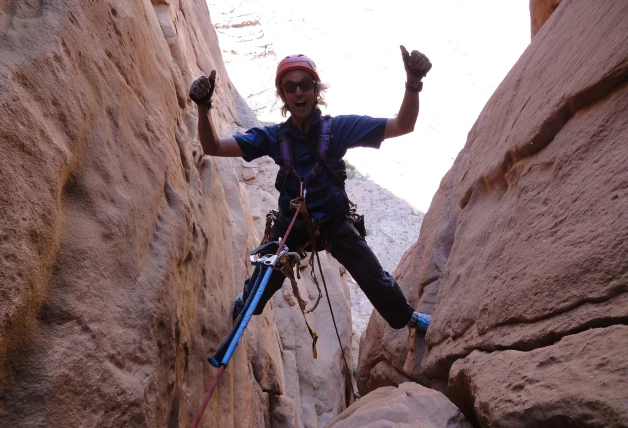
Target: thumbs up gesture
pixel 202 90
pixel 416 64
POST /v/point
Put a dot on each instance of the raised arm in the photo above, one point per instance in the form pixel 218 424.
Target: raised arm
pixel 201 93
pixel 417 65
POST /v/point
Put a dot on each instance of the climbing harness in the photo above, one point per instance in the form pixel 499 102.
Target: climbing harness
pixel 322 165
pixel 292 262
pixel 320 155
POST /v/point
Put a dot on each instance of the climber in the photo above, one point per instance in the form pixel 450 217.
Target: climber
pixel 300 89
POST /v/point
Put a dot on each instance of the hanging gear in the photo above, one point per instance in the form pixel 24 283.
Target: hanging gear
pixel 313 232
pixel 356 396
pixel 290 263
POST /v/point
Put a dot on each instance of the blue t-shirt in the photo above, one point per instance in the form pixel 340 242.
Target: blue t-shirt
pixel 323 197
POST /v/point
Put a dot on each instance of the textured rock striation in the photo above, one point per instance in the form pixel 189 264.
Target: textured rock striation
pixel 389 357
pixel 524 248
pixel 121 247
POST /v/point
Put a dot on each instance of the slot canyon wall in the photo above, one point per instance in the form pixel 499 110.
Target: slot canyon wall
pixel 522 255
pixel 121 247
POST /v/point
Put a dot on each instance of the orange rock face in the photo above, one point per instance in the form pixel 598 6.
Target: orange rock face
pixel 540 239
pixel 121 247
pixel 579 381
pixel 526 241
pixel 115 257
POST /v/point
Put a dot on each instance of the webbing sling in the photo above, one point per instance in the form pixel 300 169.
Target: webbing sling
pixel 323 141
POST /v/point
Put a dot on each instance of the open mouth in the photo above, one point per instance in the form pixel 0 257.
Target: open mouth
pixel 300 104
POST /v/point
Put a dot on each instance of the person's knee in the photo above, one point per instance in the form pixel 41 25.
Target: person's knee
pixel 379 281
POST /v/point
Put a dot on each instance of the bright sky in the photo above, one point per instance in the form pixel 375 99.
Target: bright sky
pixel 355 44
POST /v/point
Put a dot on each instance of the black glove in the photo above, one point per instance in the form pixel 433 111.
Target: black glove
pixel 416 64
pixel 202 90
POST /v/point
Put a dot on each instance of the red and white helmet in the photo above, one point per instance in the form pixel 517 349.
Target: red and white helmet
pixel 295 62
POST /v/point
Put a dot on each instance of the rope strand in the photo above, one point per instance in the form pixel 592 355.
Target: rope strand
pixel 333 318
pixel 200 412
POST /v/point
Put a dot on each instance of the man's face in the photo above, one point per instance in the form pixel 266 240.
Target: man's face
pixel 300 102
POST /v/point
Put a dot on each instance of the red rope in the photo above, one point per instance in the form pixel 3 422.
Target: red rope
pixel 283 241
pixel 208 396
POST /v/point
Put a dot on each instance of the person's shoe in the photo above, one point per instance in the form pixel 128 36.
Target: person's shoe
pixel 238 305
pixel 420 321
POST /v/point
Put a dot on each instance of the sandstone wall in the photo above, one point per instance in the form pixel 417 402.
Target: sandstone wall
pixel 121 248
pixel 540 11
pixel 524 247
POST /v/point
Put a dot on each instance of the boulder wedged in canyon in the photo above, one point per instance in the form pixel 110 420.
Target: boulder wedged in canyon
pixel 409 405
pixel 122 248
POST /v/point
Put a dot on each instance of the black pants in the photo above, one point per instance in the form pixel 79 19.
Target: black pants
pixel 347 246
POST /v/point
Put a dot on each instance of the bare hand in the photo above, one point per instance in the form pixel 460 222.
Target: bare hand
pixel 416 64
pixel 202 90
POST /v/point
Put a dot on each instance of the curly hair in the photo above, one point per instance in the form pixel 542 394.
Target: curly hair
pixel 321 88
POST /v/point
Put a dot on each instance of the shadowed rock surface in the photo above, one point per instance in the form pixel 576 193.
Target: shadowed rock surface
pixel 540 11
pixel 391 357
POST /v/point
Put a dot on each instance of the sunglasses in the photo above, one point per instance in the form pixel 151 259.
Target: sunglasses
pixel 291 87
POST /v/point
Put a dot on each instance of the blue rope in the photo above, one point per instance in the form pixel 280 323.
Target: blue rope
pixel 246 317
